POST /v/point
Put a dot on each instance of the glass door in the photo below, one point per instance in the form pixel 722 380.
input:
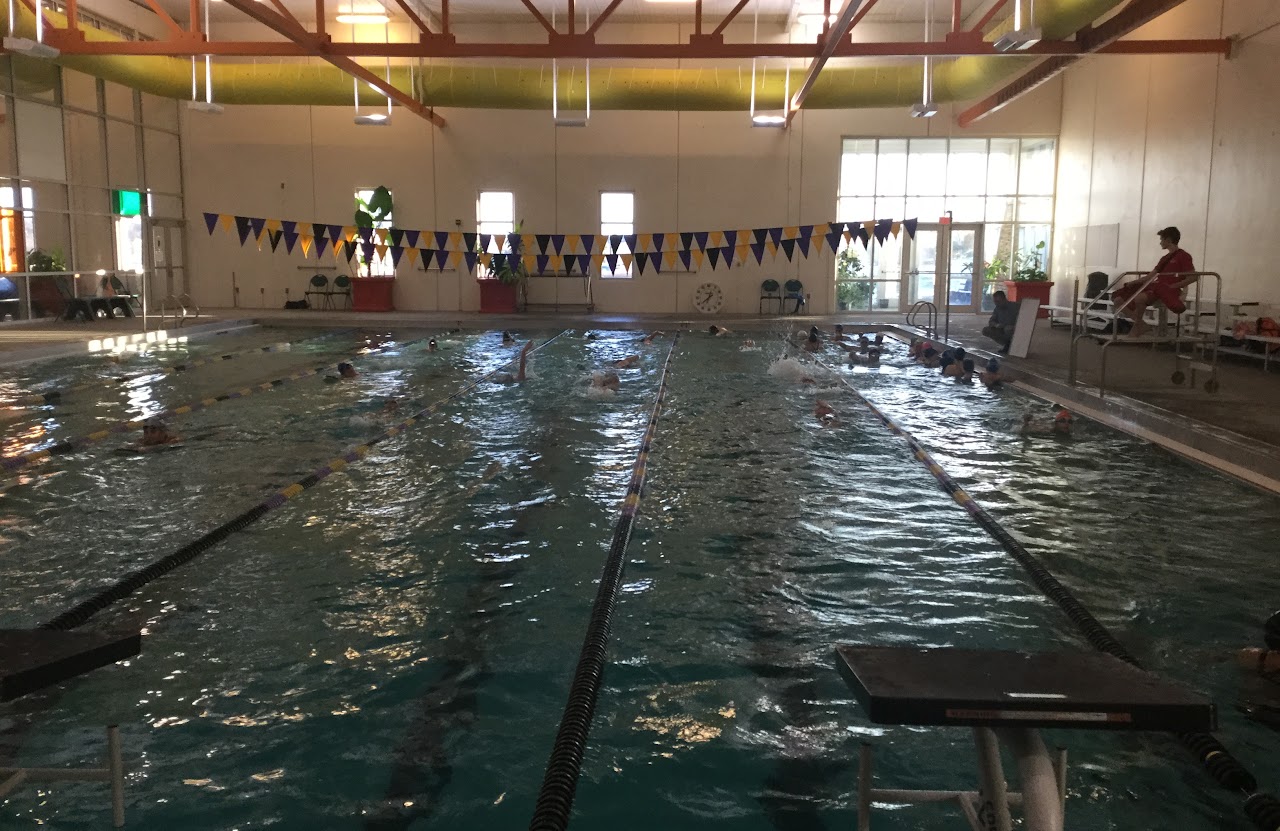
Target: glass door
pixel 920 266
pixel 963 293
pixel 925 273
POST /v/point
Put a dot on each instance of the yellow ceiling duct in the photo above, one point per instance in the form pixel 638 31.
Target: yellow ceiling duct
pixel 529 87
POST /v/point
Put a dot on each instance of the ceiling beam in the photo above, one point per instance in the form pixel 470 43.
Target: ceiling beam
pixel 604 15
pixel 537 15
pixel 412 15
pixel 850 13
pixel 319 48
pixel 728 18
pixel 583 47
pixel 988 15
pixel 1091 39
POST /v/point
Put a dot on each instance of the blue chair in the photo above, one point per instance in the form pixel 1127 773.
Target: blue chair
pixel 770 290
pixel 795 291
pixel 342 288
pixel 319 286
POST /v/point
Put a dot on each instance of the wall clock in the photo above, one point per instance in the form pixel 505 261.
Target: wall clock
pixel 708 298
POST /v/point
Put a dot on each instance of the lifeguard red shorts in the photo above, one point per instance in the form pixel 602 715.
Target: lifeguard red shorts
pixel 1159 290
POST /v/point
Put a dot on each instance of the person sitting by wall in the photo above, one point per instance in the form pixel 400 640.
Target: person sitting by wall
pixel 1164 284
pixel 1003 320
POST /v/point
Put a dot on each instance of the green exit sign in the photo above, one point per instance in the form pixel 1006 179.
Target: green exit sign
pixel 127 202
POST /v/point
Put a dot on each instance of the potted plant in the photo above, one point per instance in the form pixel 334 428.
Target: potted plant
pixel 1029 278
pixel 505 287
pixel 40 260
pixel 852 292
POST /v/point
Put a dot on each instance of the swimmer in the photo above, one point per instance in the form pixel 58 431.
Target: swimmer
pixel 748 344
pixel 929 357
pixel 718 331
pixel 864 343
pixel 647 340
pixel 390 406
pixel 839 335
pixel 947 363
pixel 965 376
pixel 915 348
pixel 432 346
pixel 1260 701
pixel 628 362
pixel 345 371
pixel 507 377
pixel 825 414
pixel 873 358
pixel 155 434
pixel 507 339
pixel 1060 426
pixel 991 376
pixel 605 381
pixel 812 344
pixel 589 336
pixel 878 342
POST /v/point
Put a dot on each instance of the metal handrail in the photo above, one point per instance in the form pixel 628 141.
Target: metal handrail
pixel 179 304
pixel 919 306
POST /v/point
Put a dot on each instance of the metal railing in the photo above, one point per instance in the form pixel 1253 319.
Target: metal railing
pixel 178 305
pixel 924 306
pixel 1175 331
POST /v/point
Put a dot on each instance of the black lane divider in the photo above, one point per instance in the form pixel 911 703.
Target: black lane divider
pixel 18 461
pixel 1259 806
pixel 127 585
pixel 55 396
pixel 560 782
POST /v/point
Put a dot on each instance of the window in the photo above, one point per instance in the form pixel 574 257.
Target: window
pixel 495 212
pixel 617 218
pixel 16 241
pixel 378 265
pixel 129 243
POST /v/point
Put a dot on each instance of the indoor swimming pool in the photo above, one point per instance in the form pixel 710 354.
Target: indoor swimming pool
pixel 392 648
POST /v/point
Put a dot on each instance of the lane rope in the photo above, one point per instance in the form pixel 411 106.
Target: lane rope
pixel 1261 807
pixel 54 396
pixel 17 461
pixel 560 782
pixel 127 585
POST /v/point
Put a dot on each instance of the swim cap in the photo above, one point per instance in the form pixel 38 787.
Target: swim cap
pixel 1063 415
pixel 342 367
pixel 993 365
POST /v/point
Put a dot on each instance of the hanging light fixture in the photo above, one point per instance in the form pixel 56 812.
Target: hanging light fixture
pixel 207 105
pixel 572 119
pixel 767 118
pixel 1020 38
pixel 374 118
pixel 926 108
pixel 26 46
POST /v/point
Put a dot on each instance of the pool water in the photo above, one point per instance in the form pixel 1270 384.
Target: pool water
pixel 392 649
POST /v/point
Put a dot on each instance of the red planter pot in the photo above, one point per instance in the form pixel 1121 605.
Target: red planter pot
pixel 1039 289
pixel 497 297
pixel 373 294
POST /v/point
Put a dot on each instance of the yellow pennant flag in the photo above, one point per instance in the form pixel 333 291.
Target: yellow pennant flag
pixel 626 261
pixel 486 259
pixel 644 242
pixel 870 227
pixel 895 228
pixel 601 241
pixel 555 262
pixel 741 253
pixel 530 263
pixel 597 259
pixel 455 259
pixel 848 235
pixel 499 240
pixel 272 225
pixel 822 230
pixel 716 240
pixel 382 251
pixel 411 254
pixel 337 247
pixel 697 257
pixel 669 259
pixel 305 241
pixel 791 232
pixel 348 232
pixel 455 241
pixel 227 221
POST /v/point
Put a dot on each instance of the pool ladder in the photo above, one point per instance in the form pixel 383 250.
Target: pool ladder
pixel 178 306
pixel 927 308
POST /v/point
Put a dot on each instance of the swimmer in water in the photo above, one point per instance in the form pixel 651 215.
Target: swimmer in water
pixel 345 371
pixel 432 346
pixel 864 343
pixel 929 358
pixel 507 339
pixel 507 377
pixel 748 343
pixel 391 406
pixel 155 434
pixel 1060 426
pixel 627 362
pixel 873 358
pixel 812 344
pixel 991 376
pixel 825 414
pixel 718 331
pixel 647 340
pixel 1261 701
pixel 965 376
pixel 605 381
pixel 915 349
pixel 839 335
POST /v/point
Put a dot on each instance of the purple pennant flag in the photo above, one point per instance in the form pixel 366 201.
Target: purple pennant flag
pixel 397 237
pixel 348 249
pixel 861 233
pixel 757 248
pixel 730 238
pixel 726 256
pixel 775 234
pixel 365 234
pixel 657 245
pixel 243 228
pixel 883 227
pixel 834 236
pixel 759 235
pixel 210 221
pixel 396 253
pixel 803 242
pixel 318 249
pixel 789 248
pixel 713 254
pixel 630 239
pixel 485 239
pixel 557 243
pixel 686 242
pixel 542 261
pixel 498 262
pixel 615 243
pixel 411 238
pixel 806 231
pixel 542 240
pixel 515 244
pixel 318 231
pixel 441 237
pixel 370 251
pixel 442 258
pixel 257 225
pixel 700 237
pixel 335 232
pixel 686 257
pixel 584 263
pixel 642 260
pixel 588 240
pixel 910 225
pixel 611 260
pixel 288 226
pixel 471 257
pixel 290 240
pixel 655 260
pixel 468 241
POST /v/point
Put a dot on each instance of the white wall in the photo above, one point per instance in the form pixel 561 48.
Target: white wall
pixel 1186 140
pixel 689 170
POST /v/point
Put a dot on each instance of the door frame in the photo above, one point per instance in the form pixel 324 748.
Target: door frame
pixel 942 267
pixel 167 229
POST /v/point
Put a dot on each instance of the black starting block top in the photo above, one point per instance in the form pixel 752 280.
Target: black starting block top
pixel 990 688
pixel 31 659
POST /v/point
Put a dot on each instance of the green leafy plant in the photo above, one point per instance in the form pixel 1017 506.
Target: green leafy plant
pixel 997 269
pixel 1026 265
pixel 852 289
pixel 510 270
pixel 40 260
pixel 376 210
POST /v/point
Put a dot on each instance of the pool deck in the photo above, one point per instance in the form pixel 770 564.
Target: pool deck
pixel 1244 412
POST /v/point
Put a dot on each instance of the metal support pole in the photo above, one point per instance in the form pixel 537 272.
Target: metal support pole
pixel 1038 781
pixel 1076 314
pixel 864 787
pixel 26 278
pixel 995 801
pixel 115 763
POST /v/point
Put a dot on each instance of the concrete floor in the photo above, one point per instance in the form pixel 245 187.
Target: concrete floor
pixel 1247 402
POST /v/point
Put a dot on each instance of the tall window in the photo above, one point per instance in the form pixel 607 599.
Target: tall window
pixel 495 212
pixel 378 265
pixel 16 240
pixel 617 218
pixel 1004 184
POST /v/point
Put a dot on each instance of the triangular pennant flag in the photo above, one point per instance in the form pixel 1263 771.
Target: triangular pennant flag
pixel 642 260
pixel 470 257
pixel 485 239
pixel 632 241
pixel 740 252
pixel 468 241
pixel 910 225
pixel 584 262
pixel 365 234
pixel 499 262
pixel 307 241
pixel 486 259
pixel 530 262
pixel 542 240
pixel 863 235
pixel 243 228
pixel 455 243
pixel 644 242
pixel 443 257
pixel 757 248
pixel 369 249
pixel 895 228
pixel 626 261
pixel 556 262
pixel 612 261
pixel 441 238
pixel 833 238
pixel 700 237
pixel 715 239
pixel 775 236
pixel 335 232
pixel 349 249
pixel 396 253
pixel 412 255
pixel 543 261
pixel 615 243
pixel 337 244
pixel 557 243
pixel 273 225
pixel 789 248
pixel 882 230
pixel 227 221
pixel 686 259
pixel 731 239
pixel 381 249
pixel 499 240
pixel 790 231
pixel 713 254
pixel 587 242
pixel 758 235
pixel 869 226
pixel 210 221
pixel 290 240
pixel 658 240
pixel 686 242
pixel 570 263
pixel 600 240
pixel 319 230
pixel 726 254
pixel 397 237
pixel 803 242
pixel 698 257
pixel 274 237
pixel 820 230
